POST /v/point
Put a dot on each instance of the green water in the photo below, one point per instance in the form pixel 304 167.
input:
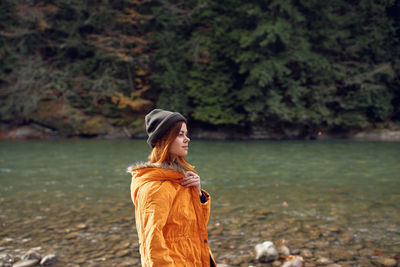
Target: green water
pixel 356 184
pixel 236 173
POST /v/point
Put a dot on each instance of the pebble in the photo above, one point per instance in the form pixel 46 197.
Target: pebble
pixel 123 253
pixel 306 253
pixel 49 259
pixel 238 260
pixel 122 245
pixel 266 252
pixel 72 235
pixel 297 261
pixel 132 262
pixel 346 238
pixel 324 261
pixel 366 252
pixel 341 254
pixel 5 256
pixel 383 261
pixel 31 254
pixel 26 263
pixel 283 250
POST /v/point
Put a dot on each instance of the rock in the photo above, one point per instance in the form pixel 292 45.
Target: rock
pixel 283 250
pixel 324 261
pixel 342 254
pixel 23 132
pixel 31 254
pixel 131 262
pixel 333 265
pixel 315 233
pixel 26 263
pixel 366 252
pixel 72 235
pixel 123 253
pixel 5 257
pixel 122 245
pixel 321 244
pixel 348 263
pixel 81 226
pixel 306 253
pixel 384 261
pixel 296 261
pixel 385 135
pixel 266 252
pixel 49 259
pixel 334 229
pixel 222 265
pixel 239 260
pixel 321 254
pixel 345 238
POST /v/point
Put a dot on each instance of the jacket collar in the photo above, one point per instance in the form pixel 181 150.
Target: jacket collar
pixel 164 166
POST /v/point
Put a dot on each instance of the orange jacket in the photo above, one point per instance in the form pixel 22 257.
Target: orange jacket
pixel 170 219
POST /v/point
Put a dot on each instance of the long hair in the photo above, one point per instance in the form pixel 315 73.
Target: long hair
pixel 160 152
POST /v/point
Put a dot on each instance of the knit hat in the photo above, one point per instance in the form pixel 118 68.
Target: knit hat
pixel 158 122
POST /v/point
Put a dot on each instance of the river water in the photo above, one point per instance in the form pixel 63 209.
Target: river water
pixel 337 200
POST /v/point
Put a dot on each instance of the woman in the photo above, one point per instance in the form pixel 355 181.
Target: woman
pixel 172 210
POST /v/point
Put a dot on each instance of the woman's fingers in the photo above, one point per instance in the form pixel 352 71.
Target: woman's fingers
pixel 190 181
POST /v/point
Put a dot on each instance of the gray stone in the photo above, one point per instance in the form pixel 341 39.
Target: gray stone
pixel 266 252
pixel 5 257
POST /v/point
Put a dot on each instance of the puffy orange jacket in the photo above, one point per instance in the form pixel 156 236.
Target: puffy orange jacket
pixel 170 219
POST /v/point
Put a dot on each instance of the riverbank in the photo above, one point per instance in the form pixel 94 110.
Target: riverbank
pixel 36 131
pixel 78 236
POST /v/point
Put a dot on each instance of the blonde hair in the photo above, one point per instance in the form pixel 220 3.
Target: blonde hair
pixel 160 152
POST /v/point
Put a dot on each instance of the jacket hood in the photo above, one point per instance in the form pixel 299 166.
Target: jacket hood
pixel 143 173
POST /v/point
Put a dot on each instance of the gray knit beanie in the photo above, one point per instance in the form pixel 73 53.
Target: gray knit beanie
pixel 158 122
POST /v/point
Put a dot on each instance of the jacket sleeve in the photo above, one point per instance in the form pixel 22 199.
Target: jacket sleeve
pixel 206 206
pixel 153 206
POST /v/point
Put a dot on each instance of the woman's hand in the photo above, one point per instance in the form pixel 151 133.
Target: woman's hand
pixel 192 179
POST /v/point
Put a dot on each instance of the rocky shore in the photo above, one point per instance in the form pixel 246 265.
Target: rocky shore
pixel 104 234
pixel 36 131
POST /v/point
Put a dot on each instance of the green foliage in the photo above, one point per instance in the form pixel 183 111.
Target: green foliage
pixel 306 63
pixel 282 63
pixel 73 51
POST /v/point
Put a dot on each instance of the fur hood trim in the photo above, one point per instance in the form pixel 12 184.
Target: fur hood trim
pixel 146 165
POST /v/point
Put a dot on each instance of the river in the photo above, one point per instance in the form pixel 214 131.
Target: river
pixel 337 200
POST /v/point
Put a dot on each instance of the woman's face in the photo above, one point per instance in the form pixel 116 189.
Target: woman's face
pixel 179 147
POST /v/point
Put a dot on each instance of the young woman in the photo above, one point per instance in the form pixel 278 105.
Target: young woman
pixel 172 210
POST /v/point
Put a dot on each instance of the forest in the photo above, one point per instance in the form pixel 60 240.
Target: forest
pixel 289 67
